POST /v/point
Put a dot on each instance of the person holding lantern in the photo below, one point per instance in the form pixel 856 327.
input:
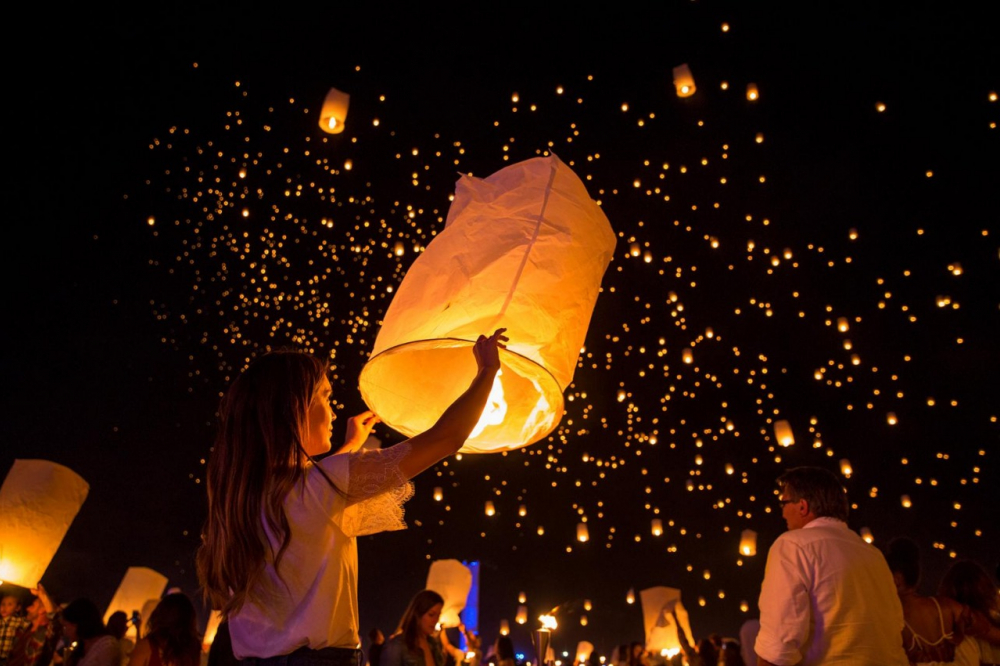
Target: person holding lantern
pixel 278 554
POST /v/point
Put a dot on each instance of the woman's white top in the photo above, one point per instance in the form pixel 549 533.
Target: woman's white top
pixel 314 601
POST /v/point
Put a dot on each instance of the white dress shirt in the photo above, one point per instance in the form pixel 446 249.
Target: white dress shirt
pixel 828 597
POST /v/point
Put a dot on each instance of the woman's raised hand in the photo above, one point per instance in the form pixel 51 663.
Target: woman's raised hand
pixel 487 349
pixel 358 429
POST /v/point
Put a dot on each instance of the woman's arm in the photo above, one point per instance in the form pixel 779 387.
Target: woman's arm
pixel 456 424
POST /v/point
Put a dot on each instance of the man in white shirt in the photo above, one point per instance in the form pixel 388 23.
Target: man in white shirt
pixel 827 596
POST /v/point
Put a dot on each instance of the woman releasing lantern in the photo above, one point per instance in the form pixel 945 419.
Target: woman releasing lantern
pixel 279 556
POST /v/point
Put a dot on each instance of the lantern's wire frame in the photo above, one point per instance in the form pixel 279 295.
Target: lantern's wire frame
pixel 503 350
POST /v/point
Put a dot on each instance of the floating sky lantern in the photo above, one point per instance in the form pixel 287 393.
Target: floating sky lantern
pixel 891 419
pixel 438 494
pixel 504 627
pixel 783 433
pixel 452 580
pixel 687 355
pixel 843 325
pixel 658 607
pixel 522 598
pixel 523 249
pixel 657 527
pixel 587 605
pixel 748 543
pixel 583 651
pixel 683 81
pixel 139 587
pixel 522 510
pixel 866 534
pixel 38 501
pixel 490 510
pixel 752 93
pixel 582 534
pixel 845 467
pixel 905 501
pixel 333 115
pixel 630 596
pixel 522 614
pixel 583 620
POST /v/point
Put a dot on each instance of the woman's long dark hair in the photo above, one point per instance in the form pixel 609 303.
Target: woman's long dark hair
pixel 173 629
pixel 409 625
pixel 257 459
pixel 89 624
pixel 968 583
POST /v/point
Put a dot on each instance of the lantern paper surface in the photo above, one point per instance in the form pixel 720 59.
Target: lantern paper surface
pixel 38 502
pixel 139 586
pixel 583 650
pixel 661 631
pixel 783 433
pixel 524 249
pixel 334 112
pixel 452 580
pixel 211 630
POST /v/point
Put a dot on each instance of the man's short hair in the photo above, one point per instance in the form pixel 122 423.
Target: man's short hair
pixel 819 487
pixel 903 557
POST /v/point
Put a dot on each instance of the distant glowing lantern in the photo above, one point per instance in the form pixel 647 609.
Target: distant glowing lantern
pixel 582 534
pixel 752 93
pixel 490 510
pixel 843 325
pixel 334 111
pixel 683 81
pixel 866 534
pixel 38 502
pixel 214 619
pixel 522 511
pixel 634 249
pixel 630 597
pixel 687 355
pixel 583 620
pixel 584 649
pixel 587 606
pixel 438 494
pixel 709 333
pixel 523 249
pixel 522 598
pixel 139 586
pixel 845 467
pixel 658 607
pixel 744 606
pixel 504 627
pixel 522 614
pixel 783 433
pixel 748 543
pixel 891 418
pixel 452 580
pixel 905 501
pixel 657 527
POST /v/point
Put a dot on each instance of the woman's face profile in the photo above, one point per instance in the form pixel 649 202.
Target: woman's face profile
pixel 319 419
pixel 429 620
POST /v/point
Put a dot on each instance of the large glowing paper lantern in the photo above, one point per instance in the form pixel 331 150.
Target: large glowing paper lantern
pixel 658 606
pixel 38 501
pixel 522 614
pixel 139 586
pixel 523 249
pixel 452 580
pixel 748 543
pixel 683 81
pixel 334 112
pixel 583 651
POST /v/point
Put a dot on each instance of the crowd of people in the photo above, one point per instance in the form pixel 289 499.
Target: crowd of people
pixel 279 560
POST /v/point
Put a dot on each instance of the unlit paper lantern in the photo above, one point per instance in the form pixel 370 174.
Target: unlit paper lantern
pixel 139 586
pixel 748 543
pixel 38 502
pixel 524 249
pixel 452 580
pixel 683 81
pixel 334 112
pixel 658 606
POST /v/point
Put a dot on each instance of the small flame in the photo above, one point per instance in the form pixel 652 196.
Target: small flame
pixel 332 122
pixel 548 621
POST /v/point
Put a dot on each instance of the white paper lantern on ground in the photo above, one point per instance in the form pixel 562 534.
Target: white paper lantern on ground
pixel 38 502
pixel 523 249
pixel 658 605
pixel 139 586
pixel 452 580
pixel 333 115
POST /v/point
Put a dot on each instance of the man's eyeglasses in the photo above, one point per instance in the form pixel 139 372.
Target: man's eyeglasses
pixel 783 502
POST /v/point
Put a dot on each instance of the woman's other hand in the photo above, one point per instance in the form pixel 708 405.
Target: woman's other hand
pixel 487 350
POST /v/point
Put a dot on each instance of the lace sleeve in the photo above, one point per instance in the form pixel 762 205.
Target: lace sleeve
pixel 376 491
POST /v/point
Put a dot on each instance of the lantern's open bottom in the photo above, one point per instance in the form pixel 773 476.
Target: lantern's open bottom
pixel 411 385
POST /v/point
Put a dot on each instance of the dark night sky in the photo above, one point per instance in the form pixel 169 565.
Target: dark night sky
pixel 111 367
